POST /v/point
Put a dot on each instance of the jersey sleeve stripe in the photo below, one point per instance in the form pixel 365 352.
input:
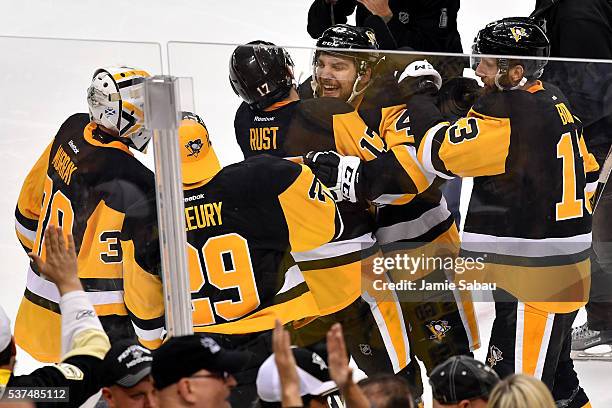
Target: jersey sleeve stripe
pixel 25 222
pixel 429 148
pixel 409 230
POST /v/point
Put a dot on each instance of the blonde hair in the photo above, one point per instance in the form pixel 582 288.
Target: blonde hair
pixel 521 391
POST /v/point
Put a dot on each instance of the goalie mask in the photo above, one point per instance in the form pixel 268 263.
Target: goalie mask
pixel 116 102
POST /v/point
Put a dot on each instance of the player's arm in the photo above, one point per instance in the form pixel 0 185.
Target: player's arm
pixel 142 285
pixel 476 145
pixel 591 171
pixel 27 211
pixel 84 342
pixel 309 209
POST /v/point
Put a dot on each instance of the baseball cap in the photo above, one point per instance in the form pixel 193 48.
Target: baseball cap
pixel 183 356
pixel 461 378
pixel 311 368
pixel 126 363
pixel 199 160
pixel 5 330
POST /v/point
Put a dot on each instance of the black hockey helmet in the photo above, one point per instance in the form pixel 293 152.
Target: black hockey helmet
pixel 514 36
pixel 345 37
pixel 261 73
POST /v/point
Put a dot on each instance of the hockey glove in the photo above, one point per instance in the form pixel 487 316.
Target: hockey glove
pixel 339 173
pixel 457 96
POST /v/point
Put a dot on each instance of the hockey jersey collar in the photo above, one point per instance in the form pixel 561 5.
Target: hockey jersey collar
pixel 538 86
pixel 89 138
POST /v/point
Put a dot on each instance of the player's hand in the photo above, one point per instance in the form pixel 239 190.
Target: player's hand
pixel 286 366
pixel 457 96
pixel 60 266
pixel 378 7
pixel 337 358
pixel 339 173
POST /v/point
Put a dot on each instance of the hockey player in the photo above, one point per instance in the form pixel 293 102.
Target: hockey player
pixel 85 181
pixel 415 221
pixel 376 334
pixel 241 223
pixel 529 217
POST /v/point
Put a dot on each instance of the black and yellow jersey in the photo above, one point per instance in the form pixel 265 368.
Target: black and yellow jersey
pixel 241 227
pixel 329 124
pixel 529 215
pixel 84 182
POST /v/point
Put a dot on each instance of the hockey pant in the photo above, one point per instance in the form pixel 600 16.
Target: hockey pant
pixel 537 343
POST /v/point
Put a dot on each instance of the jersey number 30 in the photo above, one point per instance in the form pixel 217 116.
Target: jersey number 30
pixel 227 263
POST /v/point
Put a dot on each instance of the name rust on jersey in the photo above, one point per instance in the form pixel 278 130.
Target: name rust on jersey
pixel 63 165
pixel 263 138
pixel 203 215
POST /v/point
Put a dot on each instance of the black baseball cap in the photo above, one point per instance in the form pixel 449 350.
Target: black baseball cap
pixel 461 378
pixel 312 371
pixel 183 356
pixel 126 364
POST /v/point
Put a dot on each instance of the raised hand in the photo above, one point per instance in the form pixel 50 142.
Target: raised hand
pixel 60 266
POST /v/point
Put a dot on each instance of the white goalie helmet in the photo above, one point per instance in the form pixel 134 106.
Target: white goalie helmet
pixel 422 68
pixel 116 101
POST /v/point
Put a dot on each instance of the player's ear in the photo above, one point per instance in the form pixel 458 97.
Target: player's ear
pixel 516 73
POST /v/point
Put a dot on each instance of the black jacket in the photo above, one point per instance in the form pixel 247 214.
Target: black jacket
pixel 423 25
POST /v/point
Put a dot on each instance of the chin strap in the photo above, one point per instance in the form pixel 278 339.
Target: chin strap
pixel 355 93
pixel 498 76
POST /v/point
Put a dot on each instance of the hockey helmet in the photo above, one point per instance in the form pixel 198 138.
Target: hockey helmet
pixel 344 38
pixel 116 101
pixel 514 36
pixel 261 73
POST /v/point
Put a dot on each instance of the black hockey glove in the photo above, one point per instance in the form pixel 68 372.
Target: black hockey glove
pixel 457 96
pixel 339 173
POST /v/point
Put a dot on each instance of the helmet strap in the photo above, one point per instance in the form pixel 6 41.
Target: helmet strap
pixel 355 93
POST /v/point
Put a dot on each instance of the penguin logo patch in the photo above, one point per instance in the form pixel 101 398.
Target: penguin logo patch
pixel 194 147
pixel 518 33
pixel 438 329
pixel 495 356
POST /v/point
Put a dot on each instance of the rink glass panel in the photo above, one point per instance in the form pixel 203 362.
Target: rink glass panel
pixel 43 82
pixel 585 83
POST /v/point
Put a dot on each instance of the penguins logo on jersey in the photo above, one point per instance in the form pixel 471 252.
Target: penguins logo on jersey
pixel 495 356
pixel 194 147
pixel 438 329
pixel 518 33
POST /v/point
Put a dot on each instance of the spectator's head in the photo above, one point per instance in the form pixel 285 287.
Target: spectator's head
pixel 316 387
pixel 462 382
pixel 7 342
pixel 198 158
pixel 387 391
pixel 261 73
pixel 194 371
pixel 345 61
pixel 127 376
pixel 116 104
pixel 513 37
pixel 521 391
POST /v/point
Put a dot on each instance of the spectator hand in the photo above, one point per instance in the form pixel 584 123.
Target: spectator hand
pixel 337 357
pixel 287 367
pixel 378 8
pixel 60 266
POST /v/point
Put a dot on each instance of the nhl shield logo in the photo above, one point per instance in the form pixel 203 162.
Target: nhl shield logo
pixel 438 329
pixel 194 147
pixel 403 17
pixel 365 349
pixel 518 33
pixel 495 356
